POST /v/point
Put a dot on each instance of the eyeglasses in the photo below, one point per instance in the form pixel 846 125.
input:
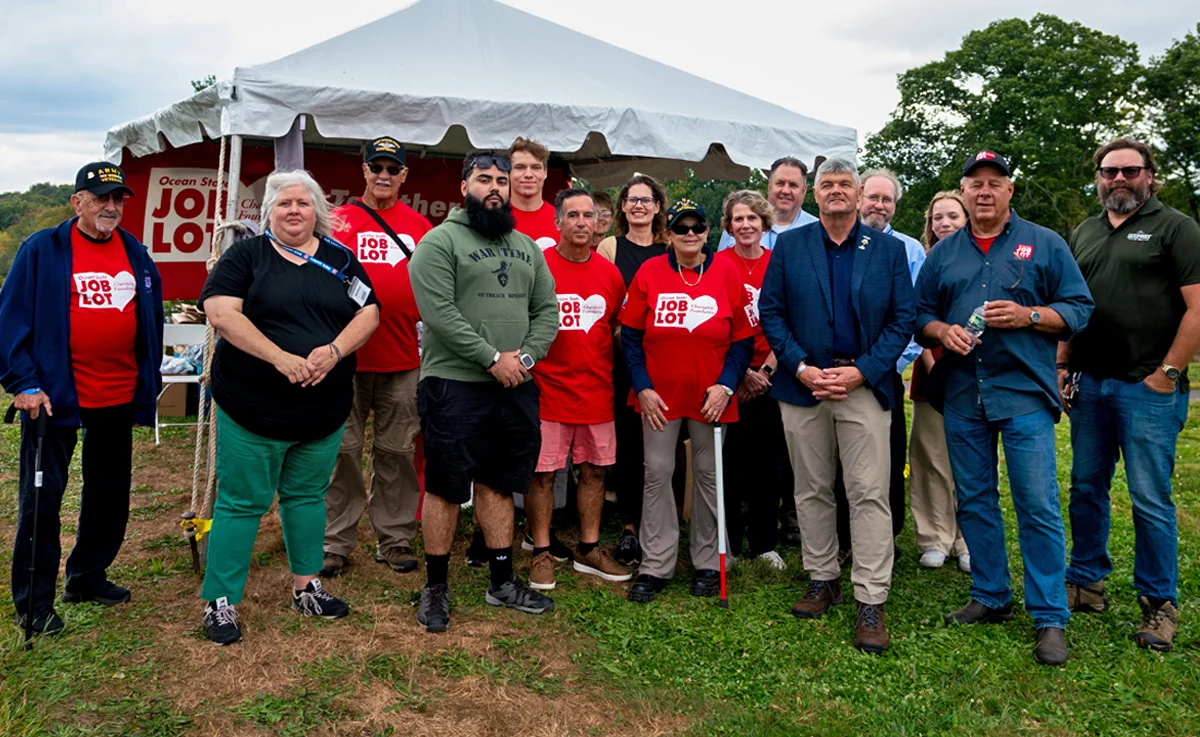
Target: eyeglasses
pixel 487 161
pixel 643 201
pixel 1129 172
pixel 681 229
pixel 604 213
pixel 117 198
pixel 393 169
pixel 878 198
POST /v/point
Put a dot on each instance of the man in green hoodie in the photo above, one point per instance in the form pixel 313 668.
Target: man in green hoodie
pixel 490 311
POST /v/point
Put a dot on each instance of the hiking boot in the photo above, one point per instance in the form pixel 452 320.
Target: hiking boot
pixel 774 560
pixel 561 552
pixel 706 582
pixel 1087 599
pixel 628 551
pixel 107 593
pixel 1051 646
pixel 315 601
pixel 221 623
pixel 477 551
pixel 514 594
pixel 433 613
pixel 44 623
pixel 978 613
pixel 600 563
pixel 399 559
pixel 870 629
pixel 541 572
pixel 332 565
pixel 1158 625
pixel 817 599
pixel 646 587
pixel 846 556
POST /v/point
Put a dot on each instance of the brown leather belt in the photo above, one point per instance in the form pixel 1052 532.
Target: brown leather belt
pixel 843 362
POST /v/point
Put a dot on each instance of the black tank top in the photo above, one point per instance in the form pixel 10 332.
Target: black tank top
pixel 631 256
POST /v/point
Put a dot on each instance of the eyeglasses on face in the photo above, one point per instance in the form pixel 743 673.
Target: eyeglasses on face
pixel 117 198
pixel 681 229
pixel 604 213
pixel 393 169
pixel 1129 172
pixel 643 201
pixel 487 161
pixel 879 198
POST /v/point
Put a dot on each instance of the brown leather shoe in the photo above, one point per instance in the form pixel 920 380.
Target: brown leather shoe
pixel 541 572
pixel 870 631
pixel 1157 630
pixel 399 559
pixel 817 599
pixel 333 565
pixel 1051 646
pixel 600 563
pixel 1087 599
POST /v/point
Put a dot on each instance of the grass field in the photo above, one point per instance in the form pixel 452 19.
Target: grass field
pixel 596 666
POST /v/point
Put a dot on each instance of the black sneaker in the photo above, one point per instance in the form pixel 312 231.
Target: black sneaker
pixel 433 613
pixel 221 623
pixel 559 552
pixel 628 551
pixel 514 594
pixel 48 623
pixel 477 551
pixel 706 582
pixel 646 587
pixel 315 601
pixel 107 593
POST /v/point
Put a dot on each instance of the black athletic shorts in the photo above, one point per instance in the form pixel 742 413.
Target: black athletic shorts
pixel 478 431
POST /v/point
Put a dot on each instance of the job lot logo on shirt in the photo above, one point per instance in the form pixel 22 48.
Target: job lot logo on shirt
pixel 752 308
pixel 577 313
pixel 100 291
pixel 379 248
pixel 679 310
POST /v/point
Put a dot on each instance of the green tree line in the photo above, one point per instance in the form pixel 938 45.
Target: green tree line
pixel 24 213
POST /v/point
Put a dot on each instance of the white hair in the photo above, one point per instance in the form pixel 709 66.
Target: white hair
pixel 887 174
pixel 837 166
pixel 281 180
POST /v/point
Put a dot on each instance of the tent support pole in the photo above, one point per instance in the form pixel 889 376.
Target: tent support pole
pixel 233 184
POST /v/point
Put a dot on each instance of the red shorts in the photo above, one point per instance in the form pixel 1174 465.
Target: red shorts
pixel 594 444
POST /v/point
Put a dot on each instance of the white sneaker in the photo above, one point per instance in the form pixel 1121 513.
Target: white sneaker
pixel 964 562
pixel 932 559
pixel 772 559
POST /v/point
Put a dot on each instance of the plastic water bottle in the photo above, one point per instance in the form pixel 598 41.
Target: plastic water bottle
pixel 976 323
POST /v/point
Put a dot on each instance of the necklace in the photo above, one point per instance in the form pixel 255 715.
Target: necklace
pixel 746 262
pixel 699 272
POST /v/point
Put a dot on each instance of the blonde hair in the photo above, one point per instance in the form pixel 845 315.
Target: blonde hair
pixel 755 201
pixel 928 238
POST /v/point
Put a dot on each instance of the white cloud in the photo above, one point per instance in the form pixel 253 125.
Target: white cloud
pixel 55 157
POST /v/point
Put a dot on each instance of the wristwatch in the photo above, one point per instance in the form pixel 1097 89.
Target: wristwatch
pixel 768 370
pixel 800 369
pixel 495 360
pixel 728 391
pixel 526 361
pixel 1171 372
pixel 1035 317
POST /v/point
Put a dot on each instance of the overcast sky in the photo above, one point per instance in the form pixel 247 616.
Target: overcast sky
pixel 71 69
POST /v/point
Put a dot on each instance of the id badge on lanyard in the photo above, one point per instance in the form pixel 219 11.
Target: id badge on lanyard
pixel 358 292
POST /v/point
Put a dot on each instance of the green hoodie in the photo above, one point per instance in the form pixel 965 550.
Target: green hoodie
pixel 478 296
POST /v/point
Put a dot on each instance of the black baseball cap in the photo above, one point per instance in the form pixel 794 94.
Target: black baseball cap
pixel 986 158
pixel 100 178
pixel 384 148
pixel 685 207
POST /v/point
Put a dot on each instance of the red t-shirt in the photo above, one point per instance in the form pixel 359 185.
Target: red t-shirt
pixel 537 224
pixel 393 345
pixel 103 328
pixel 751 272
pixel 576 376
pixel 985 243
pixel 688 330
pixel 916 391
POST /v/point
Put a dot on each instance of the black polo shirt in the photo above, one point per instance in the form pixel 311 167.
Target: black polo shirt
pixel 1134 273
pixel 840 257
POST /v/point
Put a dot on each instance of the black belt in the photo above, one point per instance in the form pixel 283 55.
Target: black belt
pixel 843 362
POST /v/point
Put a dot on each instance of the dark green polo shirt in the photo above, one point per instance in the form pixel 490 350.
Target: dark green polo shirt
pixel 1134 273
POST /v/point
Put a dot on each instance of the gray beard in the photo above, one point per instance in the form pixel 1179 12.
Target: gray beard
pixel 1124 201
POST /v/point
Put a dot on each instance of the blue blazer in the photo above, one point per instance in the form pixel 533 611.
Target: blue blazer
pixel 35 311
pixel 795 309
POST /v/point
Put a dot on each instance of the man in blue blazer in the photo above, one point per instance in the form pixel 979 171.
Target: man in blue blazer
pixel 837 307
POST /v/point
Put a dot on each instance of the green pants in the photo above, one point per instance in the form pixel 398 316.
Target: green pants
pixel 250 469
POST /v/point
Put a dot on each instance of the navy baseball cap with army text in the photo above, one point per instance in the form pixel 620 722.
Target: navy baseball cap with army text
pixel 100 178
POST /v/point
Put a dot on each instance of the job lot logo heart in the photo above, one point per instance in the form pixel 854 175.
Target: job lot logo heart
pixel 545 243
pixel 680 310
pixel 576 313
pixel 379 248
pixel 100 291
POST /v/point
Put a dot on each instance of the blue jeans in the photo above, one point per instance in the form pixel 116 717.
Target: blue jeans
pixel 1111 418
pixel 1030 457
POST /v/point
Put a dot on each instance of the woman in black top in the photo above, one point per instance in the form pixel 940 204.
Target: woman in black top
pixel 291 306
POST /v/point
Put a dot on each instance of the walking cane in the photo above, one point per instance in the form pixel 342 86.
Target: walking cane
pixel 39 433
pixel 724 601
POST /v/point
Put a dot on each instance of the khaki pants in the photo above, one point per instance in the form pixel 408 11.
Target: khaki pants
pixel 931 484
pixel 857 430
pixel 659 533
pixel 395 491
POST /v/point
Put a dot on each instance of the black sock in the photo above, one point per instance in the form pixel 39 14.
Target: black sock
pixel 501 566
pixel 437 568
pixel 585 548
pixel 538 551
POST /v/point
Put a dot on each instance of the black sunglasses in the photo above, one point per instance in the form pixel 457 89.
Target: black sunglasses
pixel 487 161
pixel 681 229
pixel 1129 172
pixel 393 169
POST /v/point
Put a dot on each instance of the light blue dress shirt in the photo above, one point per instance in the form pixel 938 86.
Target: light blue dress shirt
pixel 769 237
pixel 916 258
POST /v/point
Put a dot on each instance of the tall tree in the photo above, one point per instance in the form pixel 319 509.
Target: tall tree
pixel 1173 85
pixel 1044 93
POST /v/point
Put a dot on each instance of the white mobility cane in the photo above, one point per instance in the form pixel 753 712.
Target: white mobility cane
pixel 724 601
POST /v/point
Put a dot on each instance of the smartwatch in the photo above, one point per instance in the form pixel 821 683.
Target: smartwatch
pixel 1171 372
pixel 768 370
pixel 526 361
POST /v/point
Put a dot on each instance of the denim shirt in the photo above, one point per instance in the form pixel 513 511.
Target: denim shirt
pixel 1011 372
pixel 916 259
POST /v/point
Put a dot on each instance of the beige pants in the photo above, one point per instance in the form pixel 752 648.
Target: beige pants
pixel 659 532
pixel 931 484
pixel 856 429
pixel 395 491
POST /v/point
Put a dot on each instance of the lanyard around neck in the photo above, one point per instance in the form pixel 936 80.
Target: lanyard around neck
pixel 307 258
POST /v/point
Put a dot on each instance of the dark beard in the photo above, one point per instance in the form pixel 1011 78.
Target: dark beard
pixel 1123 200
pixel 489 222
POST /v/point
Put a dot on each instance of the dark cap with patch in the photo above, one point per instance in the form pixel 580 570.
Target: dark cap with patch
pixel 685 207
pixel 384 148
pixel 100 178
pixel 986 158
